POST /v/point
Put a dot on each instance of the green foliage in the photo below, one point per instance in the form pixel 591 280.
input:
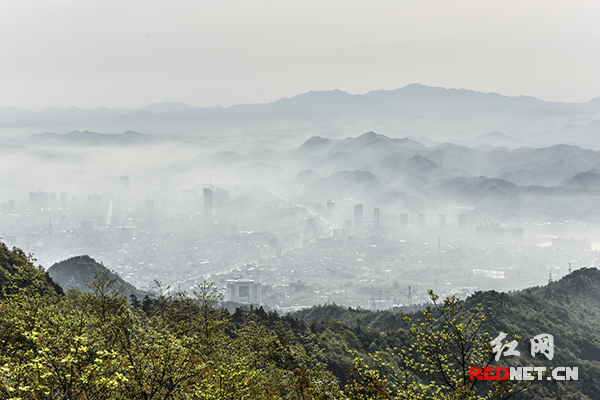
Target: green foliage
pixel 443 348
pixel 365 383
pixel 371 319
pixel 94 345
pixel 17 271
pixel 446 341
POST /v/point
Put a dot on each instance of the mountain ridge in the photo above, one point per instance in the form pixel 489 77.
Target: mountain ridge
pixel 79 271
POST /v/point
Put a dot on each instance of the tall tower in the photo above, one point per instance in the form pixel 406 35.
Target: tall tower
pixel 208 201
pixel 376 218
pixel 358 216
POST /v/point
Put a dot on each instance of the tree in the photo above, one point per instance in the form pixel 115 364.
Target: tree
pixel 135 303
pixel 54 350
pixel 365 383
pixel 95 345
pixel 446 342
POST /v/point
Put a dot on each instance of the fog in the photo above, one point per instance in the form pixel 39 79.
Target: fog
pixel 324 197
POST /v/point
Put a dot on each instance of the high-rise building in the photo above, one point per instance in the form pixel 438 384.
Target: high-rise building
pixel 220 197
pixel 376 218
pixel 358 216
pixel 38 200
pixel 380 304
pixel 244 291
pixel 490 233
pixel 208 201
pixel 8 207
pixel 514 234
pixel 214 198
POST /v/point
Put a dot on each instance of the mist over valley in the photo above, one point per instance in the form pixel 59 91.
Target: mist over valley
pixel 362 200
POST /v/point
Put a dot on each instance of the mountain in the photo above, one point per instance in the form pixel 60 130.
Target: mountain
pixel 478 188
pixel 305 177
pixel 495 139
pixel 415 110
pixel 526 181
pixel 77 272
pixel 421 97
pixel 384 156
pixel 583 134
pixel 421 165
pixel 356 184
pixel 584 180
pixel 159 108
pixel 568 309
pixel 557 163
pixel 314 146
pixel 375 141
pixel 545 177
pixel 87 138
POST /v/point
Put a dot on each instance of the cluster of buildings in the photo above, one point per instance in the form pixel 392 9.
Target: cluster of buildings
pixel 491 233
pixel 273 252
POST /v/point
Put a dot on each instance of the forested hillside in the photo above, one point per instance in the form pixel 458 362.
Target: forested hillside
pixel 17 271
pixel 568 309
pixel 76 271
pixel 99 344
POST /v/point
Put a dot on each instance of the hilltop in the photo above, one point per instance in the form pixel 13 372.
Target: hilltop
pixel 76 271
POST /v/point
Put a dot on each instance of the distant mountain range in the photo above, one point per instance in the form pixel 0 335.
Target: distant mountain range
pixel 473 118
pixel 547 181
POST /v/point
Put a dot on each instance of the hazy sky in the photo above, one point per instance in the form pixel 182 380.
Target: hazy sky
pixel 128 53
